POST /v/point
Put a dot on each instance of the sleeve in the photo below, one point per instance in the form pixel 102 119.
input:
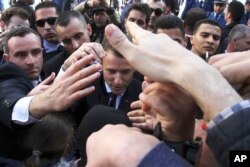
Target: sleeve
pixel 20 114
pixel 232 132
pixel 162 155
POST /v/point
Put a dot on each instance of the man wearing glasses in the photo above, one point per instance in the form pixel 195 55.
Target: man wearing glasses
pixel 46 14
pixel 157 9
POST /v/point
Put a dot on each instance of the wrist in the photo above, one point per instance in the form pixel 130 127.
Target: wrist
pixel 38 107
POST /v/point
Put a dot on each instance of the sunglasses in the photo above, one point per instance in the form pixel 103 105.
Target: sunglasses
pixel 157 11
pixel 50 20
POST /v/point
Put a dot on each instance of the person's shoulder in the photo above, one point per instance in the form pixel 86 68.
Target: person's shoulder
pixel 9 69
pixel 136 82
pixel 135 86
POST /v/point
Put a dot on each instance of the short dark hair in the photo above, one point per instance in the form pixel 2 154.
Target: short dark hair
pixel 19 31
pixel 107 47
pixel 204 21
pixel 169 22
pixel 192 16
pixel 237 10
pixel 14 11
pixel 47 4
pixel 171 4
pixel 143 8
pixel 65 18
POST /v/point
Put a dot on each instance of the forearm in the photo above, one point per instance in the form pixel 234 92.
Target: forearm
pixel 213 98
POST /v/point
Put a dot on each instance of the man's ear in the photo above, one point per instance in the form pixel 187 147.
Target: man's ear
pixel 191 39
pixel 89 30
pixel 229 15
pixel 2 25
pixel 6 57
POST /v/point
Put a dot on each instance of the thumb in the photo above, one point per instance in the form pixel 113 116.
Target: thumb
pixel 120 42
pixel 49 80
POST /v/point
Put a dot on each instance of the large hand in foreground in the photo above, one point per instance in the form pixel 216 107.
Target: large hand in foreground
pixel 235 68
pixel 163 60
pixel 173 107
pixel 129 149
pixel 140 119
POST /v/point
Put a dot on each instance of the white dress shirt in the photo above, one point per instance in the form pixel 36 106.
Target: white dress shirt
pixel 118 97
pixel 20 114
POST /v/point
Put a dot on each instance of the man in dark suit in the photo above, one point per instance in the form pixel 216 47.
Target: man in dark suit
pixel 186 5
pixel 218 13
pixel 22 101
pixel 73 30
pixel 116 87
pixel 46 14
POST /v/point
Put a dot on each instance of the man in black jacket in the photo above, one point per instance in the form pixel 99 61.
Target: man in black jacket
pixel 23 100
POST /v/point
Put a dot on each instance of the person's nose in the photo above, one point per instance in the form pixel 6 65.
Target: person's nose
pixel 47 25
pixel 30 59
pixel 118 78
pixel 75 45
pixel 210 39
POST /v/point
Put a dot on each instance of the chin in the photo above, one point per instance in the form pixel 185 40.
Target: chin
pixel 34 77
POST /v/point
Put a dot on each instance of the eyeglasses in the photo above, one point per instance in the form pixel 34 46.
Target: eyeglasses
pixel 157 11
pixel 50 20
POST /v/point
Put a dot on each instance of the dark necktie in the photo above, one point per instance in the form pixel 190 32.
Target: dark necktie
pixel 216 17
pixel 112 100
pixel 201 4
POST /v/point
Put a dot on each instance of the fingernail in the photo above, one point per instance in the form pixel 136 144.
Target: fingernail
pixel 110 30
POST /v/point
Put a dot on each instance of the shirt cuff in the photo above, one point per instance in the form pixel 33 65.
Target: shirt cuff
pixel 60 72
pixel 20 114
pixel 228 112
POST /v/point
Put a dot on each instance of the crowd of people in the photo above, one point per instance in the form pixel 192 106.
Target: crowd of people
pixel 161 83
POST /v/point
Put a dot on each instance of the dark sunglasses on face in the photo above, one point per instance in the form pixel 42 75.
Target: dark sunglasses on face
pixel 50 20
pixel 157 11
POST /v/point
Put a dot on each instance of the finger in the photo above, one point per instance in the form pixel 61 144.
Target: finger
pixel 236 73
pixel 144 84
pixel 120 42
pixel 80 64
pixel 150 88
pixel 86 81
pixel 136 32
pixel 135 113
pixel 76 78
pixel 82 93
pixel 3 34
pixel 135 105
pixel 145 103
pixel 49 80
pixel 137 119
pixel 215 58
pixel 140 125
pixel 231 58
pixel 95 49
